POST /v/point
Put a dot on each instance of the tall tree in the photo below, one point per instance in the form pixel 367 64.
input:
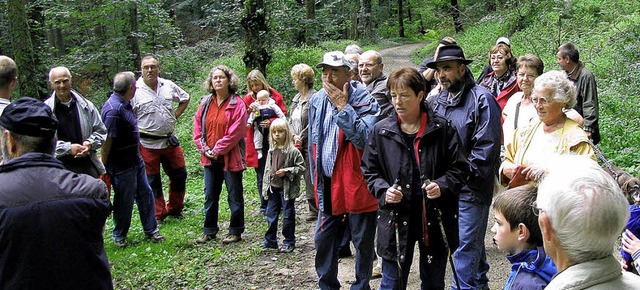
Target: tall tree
pixel 455 14
pixel 133 35
pixel 24 54
pixel 401 19
pixel 255 26
pixel 365 16
pixel 310 34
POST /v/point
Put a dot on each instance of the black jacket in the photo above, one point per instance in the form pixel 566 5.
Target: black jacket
pixel 51 222
pixel 442 160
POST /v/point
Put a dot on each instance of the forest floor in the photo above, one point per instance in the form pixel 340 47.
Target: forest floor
pixel 296 270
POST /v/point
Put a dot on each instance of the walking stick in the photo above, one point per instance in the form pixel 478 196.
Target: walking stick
pixel 446 246
pixel 396 224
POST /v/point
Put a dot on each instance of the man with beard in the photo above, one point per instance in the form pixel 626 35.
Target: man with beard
pixel 475 114
pixel 51 219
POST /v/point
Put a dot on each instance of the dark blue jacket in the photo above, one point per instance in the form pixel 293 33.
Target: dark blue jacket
pixel 476 117
pixel 530 270
pixel 51 222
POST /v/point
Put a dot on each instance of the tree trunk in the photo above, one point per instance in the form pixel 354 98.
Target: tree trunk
pixel 310 35
pixel 455 14
pixel 409 11
pixel 24 54
pixel 365 8
pixel 255 27
pixel 401 19
pixel 133 34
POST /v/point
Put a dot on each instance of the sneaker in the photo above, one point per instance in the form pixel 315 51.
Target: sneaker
pixel 156 237
pixel 231 239
pixel 376 272
pixel 287 248
pixel 205 238
pixel 120 244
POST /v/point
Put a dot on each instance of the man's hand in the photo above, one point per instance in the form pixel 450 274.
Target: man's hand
pixel 78 150
pixel 432 190
pixel 336 96
pixel 393 195
pixel 280 172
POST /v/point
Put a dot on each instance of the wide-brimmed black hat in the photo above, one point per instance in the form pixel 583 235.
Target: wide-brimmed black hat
pixel 449 53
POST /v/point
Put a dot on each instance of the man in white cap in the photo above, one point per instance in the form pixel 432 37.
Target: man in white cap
pixel 341 115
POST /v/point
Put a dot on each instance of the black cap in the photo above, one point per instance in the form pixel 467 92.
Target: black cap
pixel 28 116
pixel 449 53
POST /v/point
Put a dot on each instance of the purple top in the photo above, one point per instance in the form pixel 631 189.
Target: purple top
pixel 122 128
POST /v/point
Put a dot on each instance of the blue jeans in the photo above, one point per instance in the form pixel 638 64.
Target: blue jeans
pixel 127 186
pixel 260 172
pixel 214 175
pixel 275 205
pixel 329 231
pixel 470 258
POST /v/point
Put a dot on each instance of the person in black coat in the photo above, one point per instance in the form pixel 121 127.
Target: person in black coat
pixel 414 165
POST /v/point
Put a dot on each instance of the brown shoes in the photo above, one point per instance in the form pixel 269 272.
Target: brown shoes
pixel 231 239
pixel 205 238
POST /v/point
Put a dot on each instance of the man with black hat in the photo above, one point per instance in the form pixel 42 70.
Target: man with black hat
pixel 51 219
pixel 476 115
pixel 341 115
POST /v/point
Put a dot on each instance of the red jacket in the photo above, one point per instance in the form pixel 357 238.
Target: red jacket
pixel 349 192
pixel 252 154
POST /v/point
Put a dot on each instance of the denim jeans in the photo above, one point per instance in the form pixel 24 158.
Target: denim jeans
pixel 470 258
pixel 276 203
pixel 329 230
pixel 214 175
pixel 127 186
pixel 260 174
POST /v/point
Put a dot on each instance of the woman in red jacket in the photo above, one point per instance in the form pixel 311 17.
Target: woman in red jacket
pixel 255 83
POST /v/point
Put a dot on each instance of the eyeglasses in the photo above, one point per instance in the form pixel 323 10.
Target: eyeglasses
pixel 542 100
pixel 527 76
pixel 535 208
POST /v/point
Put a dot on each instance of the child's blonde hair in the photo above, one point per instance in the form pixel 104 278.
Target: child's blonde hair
pixel 280 124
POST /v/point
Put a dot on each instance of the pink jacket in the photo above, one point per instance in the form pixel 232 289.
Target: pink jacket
pixel 232 145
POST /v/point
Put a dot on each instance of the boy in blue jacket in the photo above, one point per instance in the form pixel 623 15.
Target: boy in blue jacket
pixel 517 232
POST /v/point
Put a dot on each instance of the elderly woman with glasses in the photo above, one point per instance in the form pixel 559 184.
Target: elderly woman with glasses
pixel 553 133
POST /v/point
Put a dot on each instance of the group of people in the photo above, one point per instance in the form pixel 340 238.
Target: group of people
pixel 412 158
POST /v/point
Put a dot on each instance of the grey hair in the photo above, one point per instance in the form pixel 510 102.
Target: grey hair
pixel 353 48
pixel 122 81
pixel 62 68
pixel 564 89
pixel 586 208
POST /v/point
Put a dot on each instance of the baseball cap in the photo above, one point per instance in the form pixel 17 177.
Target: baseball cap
pixel 335 59
pixel 28 116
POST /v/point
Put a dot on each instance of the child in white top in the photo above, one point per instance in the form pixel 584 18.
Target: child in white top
pixel 266 109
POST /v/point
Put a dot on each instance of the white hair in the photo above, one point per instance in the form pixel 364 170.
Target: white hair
pixel 564 90
pixel 62 68
pixel 585 206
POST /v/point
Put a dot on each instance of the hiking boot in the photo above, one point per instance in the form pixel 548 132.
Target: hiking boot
pixel 231 239
pixel 287 248
pixel 344 252
pixel 120 243
pixel 156 237
pixel 205 238
pixel 268 247
pixel 311 216
pixel 376 272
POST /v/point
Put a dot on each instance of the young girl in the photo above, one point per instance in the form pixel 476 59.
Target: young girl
pixel 255 83
pixel 281 186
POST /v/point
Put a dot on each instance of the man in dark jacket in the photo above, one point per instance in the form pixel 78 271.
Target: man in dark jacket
pixel 475 114
pixel 51 219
